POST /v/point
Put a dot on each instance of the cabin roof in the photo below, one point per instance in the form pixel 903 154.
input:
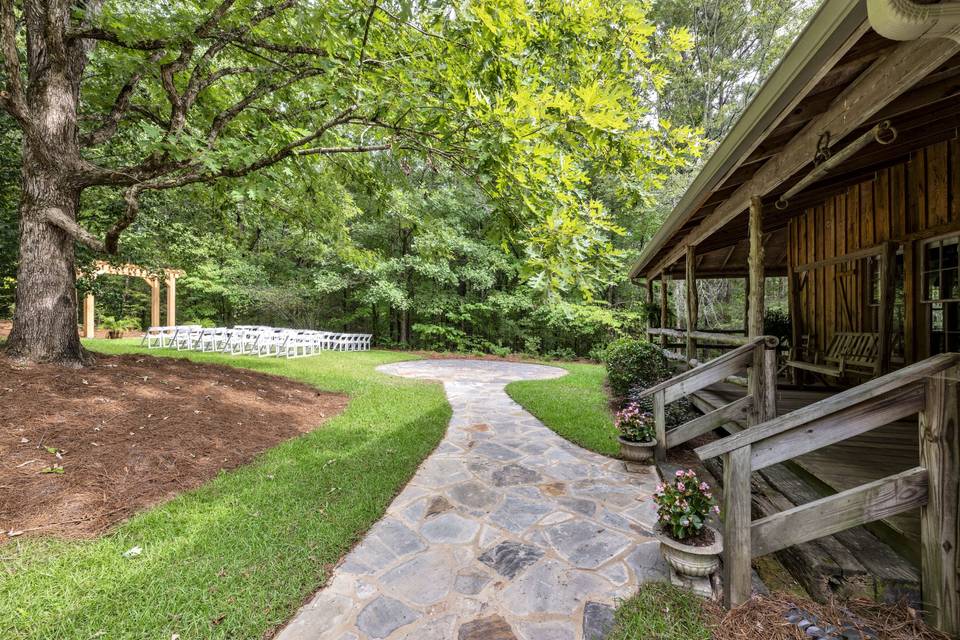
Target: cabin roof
pixel 824 64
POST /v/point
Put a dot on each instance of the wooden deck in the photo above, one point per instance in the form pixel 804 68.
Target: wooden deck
pixel 851 463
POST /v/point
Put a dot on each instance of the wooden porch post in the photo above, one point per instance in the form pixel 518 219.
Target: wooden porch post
pixel 761 377
pixel 664 301
pixel 649 299
pixel 89 328
pixel 154 301
pixel 888 283
pixel 736 527
pixel 693 300
pixel 171 300
pixel 940 456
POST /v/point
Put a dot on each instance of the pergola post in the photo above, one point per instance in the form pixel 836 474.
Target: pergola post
pixel 693 300
pixel 757 382
pixel 89 328
pixel 664 302
pixel 171 300
pixel 154 301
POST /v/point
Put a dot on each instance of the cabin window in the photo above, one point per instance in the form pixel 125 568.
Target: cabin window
pixel 940 271
pixel 941 292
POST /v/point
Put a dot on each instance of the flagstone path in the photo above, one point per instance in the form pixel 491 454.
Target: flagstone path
pixel 507 531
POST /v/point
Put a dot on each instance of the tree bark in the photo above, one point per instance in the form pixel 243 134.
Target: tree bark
pixel 45 320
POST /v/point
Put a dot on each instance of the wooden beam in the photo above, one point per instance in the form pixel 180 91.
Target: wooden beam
pixel 758 382
pixel 704 336
pixel 837 427
pixel 888 78
pixel 664 302
pixel 940 455
pixel 873 501
pixel 882 386
pixel 736 527
pixel 154 301
pixel 89 328
pixel 692 301
pixel 888 284
pixel 847 257
pixel 171 301
pixel 660 424
pixel 736 411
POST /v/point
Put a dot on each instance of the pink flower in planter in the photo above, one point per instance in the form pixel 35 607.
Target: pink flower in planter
pixel 715 509
pixel 681 487
pixel 679 473
pixel 704 486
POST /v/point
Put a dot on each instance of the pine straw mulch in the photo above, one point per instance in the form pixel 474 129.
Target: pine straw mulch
pixel 764 617
pixel 83 449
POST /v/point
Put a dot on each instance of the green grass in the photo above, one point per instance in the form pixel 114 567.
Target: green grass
pixel 237 556
pixel 575 406
pixel 662 612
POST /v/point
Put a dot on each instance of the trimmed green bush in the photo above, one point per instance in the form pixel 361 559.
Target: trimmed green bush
pixel 634 363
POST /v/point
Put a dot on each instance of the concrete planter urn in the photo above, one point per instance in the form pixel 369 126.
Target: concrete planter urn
pixel 641 452
pixel 688 559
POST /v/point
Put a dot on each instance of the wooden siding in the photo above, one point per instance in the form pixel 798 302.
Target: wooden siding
pixel 905 204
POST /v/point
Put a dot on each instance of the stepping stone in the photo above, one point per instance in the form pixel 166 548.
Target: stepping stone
pixel 449 528
pixel 424 580
pixel 489 628
pixel 585 544
pixel 398 537
pixel 496 451
pixel 580 505
pixel 470 583
pixel 550 587
pixel 513 474
pixel 516 514
pixel 438 505
pixel 474 495
pixel 598 621
pixel 547 631
pixel 383 616
pixel 510 558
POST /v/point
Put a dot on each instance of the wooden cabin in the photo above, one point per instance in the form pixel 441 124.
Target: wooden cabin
pixel 843 176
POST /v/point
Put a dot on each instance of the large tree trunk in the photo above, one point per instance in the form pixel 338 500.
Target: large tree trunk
pixel 45 320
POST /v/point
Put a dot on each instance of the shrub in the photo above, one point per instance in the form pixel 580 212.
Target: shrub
pixel 635 424
pixel 634 363
pixel 119 324
pixel 683 505
pixel 776 322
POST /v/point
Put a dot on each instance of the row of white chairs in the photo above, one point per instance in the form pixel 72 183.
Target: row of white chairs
pixel 254 340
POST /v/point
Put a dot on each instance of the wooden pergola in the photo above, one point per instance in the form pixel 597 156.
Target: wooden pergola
pixel 152 278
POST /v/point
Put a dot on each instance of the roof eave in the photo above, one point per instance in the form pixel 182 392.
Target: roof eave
pixel 832 26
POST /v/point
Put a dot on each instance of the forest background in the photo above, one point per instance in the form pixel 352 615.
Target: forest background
pixel 407 246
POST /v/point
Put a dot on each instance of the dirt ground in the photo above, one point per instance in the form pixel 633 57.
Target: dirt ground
pixel 81 450
pixel 6 325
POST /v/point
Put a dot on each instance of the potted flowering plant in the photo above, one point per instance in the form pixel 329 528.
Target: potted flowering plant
pixel 637 435
pixel 689 544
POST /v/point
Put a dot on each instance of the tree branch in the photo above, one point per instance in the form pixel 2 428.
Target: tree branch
pixel 102 35
pixel 329 151
pixel 59 219
pixel 120 107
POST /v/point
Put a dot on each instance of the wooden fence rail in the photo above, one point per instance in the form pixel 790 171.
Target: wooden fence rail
pixel 758 404
pixel 927 388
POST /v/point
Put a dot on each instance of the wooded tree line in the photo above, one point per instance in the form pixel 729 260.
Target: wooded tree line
pixel 468 177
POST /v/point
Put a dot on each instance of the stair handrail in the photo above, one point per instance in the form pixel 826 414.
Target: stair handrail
pixel 930 388
pixel 757 353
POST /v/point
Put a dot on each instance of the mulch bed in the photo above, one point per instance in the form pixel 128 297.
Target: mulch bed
pixel 770 618
pixel 83 449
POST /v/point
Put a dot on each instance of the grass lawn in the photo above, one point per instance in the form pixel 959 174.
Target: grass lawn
pixel 576 406
pixel 236 557
pixel 662 612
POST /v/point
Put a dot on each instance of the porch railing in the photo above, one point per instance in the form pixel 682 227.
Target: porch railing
pixel 759 404
pixel 928 388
